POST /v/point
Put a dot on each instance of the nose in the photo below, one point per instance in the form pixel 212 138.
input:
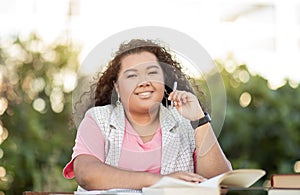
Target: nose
pixel 144 84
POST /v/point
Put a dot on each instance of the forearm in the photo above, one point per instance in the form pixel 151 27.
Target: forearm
pixel 211 160
pixel 91 174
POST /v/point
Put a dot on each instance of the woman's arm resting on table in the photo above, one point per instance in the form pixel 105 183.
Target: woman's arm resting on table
pixel 211 160
pixel 92 174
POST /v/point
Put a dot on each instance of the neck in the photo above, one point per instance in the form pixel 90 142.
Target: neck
pixel 144 123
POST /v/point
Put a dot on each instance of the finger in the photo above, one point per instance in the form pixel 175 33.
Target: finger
pixel 198 178
pixel 184 97
pixel 173 96
pixel 192 177
pixel 202 179
pixel 180 97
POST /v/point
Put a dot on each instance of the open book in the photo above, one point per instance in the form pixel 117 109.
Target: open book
pixel 110 192
pixel 236 178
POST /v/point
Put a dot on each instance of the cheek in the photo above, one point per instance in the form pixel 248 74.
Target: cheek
pixel 161 90
pixel 125 90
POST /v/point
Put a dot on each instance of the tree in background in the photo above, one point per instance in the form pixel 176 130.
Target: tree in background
pixel 36 81
pixel 262 125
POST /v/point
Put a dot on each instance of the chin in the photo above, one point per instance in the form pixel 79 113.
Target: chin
pixel 145 107
pixel 150 106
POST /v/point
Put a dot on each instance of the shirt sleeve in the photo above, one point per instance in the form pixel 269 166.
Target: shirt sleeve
pixel 89 140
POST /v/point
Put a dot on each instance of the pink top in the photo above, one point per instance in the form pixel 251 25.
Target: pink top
pixel 135 155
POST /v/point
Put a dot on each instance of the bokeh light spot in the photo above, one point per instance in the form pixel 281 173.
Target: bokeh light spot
pixel 297 167
pixel 244 76
pixel 2 172
pixel 245 99
pixel 3 105
pixel 39 104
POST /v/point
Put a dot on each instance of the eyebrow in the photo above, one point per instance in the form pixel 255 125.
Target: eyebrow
pixel 135 70
pixel 152 66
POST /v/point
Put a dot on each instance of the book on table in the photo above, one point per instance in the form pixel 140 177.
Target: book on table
pixel 284 191
pixel 285 181
pixel 285 184
pixel 239 178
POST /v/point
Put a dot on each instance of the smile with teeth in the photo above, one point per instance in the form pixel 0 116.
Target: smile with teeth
pixel 145 94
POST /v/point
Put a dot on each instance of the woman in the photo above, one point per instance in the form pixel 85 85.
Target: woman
pixel 132 138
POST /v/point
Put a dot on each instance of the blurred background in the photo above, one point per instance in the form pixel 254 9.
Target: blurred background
pixel 255 43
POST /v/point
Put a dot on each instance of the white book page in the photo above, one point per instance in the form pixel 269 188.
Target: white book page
pixel 170 182
pixel 111 191
pixel 213 182
pixel 242 177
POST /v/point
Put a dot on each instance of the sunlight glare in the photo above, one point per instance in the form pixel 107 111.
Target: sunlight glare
pixel 70 81
pixel 275 85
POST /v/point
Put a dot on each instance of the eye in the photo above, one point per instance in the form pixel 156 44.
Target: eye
pixel 153 72
pixel 131 76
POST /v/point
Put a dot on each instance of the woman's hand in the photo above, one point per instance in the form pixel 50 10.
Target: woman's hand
pixel 187 104
pixel 187 176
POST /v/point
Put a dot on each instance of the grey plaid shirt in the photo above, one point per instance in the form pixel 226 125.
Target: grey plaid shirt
pixel 178 143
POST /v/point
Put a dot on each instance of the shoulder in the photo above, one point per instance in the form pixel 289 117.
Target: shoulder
pixel 100 111
pixel 108 114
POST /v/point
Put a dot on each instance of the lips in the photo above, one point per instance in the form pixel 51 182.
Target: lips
pixel 144 94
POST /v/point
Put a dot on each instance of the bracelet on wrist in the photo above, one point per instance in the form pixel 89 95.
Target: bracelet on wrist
pixel 204 120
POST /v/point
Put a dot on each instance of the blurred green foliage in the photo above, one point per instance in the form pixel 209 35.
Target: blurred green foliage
pixel 262 125
pixel 36 85
pixel 261 128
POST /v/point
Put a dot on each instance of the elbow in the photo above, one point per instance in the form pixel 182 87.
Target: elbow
pixel 83 179
pixel 86 174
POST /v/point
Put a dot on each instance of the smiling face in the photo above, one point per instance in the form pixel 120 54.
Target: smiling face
pixel 140 82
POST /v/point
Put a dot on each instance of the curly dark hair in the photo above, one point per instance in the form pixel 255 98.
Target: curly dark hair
pixel 105 93
pixel 103 90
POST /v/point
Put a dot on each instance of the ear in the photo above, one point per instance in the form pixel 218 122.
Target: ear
pixel 116 85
